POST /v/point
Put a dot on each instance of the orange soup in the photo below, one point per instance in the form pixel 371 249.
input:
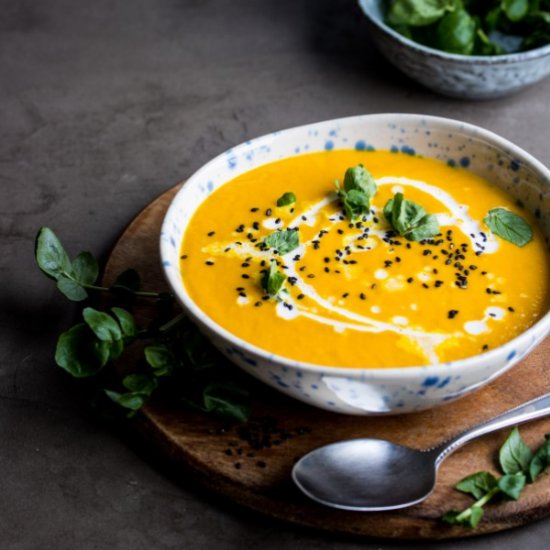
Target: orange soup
pixel 351 292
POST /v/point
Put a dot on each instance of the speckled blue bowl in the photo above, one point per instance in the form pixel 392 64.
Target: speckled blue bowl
pixel 463 76
pixel 366 391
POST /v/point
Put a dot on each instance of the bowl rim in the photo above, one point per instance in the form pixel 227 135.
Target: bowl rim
pixel 503 59
pixel 464 365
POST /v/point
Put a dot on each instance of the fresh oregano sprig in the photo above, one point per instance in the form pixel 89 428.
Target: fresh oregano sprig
pixel 519 466
pixel 175 349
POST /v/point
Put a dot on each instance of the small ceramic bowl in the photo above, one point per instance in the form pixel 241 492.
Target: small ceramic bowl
pixel 463 76
pixel 366 391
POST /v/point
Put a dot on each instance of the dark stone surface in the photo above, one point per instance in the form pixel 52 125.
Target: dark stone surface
pixel 104 105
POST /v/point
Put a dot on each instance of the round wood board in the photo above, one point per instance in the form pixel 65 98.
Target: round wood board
pixel 222 457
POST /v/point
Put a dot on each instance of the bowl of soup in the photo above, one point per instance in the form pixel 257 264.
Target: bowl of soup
pixel 370 265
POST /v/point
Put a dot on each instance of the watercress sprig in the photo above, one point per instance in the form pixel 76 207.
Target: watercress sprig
pixel 409 219
pixel 358 190
pixel 284 241
pixel 473 27
pixel 174 349
pixel 519 466
pixel 273 279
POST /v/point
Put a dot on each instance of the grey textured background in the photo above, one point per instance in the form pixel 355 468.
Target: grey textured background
pixel 103 106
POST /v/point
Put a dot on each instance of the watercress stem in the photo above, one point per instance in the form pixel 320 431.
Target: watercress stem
pixel 173 322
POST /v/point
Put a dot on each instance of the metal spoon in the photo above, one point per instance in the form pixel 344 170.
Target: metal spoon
pixel 373 474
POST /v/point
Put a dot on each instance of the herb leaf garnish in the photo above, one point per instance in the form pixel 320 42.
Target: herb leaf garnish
pixel 517 462
pixel 286 198
pixel 358 190
pixel 283 241
pixel 509 226
pixel 273 280
pixel 409 219
pixel 177 352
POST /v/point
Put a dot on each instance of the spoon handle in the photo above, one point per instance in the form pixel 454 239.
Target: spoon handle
pixel 536 408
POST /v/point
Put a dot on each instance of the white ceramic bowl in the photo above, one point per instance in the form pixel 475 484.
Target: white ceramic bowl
pixel 366 391
pixel 464 76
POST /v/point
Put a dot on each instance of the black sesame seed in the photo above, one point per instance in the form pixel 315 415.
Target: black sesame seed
pixel 211 233
pixel 268 212
pixel 345 295
pixel 410 280
pixel 362 296
pixel 452 313
pixel 311 276
pixel 245 276
pixel 511 309
pixel 209 262
pixel 254 209
pixel 245 264
pixel 184 257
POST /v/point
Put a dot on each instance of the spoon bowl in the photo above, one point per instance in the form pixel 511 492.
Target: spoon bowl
pixel 354 475
pixel 371 475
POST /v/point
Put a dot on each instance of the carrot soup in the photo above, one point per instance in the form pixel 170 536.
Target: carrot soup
pixel 413 262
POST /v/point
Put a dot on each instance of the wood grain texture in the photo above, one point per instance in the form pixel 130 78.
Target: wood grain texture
pixel 209 449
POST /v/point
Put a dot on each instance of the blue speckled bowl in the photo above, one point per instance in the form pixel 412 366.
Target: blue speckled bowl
pixel 366 391
pixel 463 76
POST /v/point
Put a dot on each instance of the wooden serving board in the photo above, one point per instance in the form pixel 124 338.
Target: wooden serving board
pixel 250 464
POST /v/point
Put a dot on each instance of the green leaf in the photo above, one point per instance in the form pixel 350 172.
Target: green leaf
pixel 358 178
pixel 80 353
pixel 515 10
pixel 477 485
pixel 427 228
pixel 273 280
pixel 286 199
pixel 417 13
pixel 468 518
pixel 509 226
pixel 356 204
pixel 160 358
pixel 85 268
pixel 456 32
pixel 71 289
pixel 116 347
pixel 102 324
pixel 476 515
pixel 359 188
pixel 541 460
pixel 141 383
pixel 512 485
pixel 126 321
pixel 283 241
pixel 50 254
pixel 515 455
pixel 227 400
pixel 409 219
pixel 132 400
